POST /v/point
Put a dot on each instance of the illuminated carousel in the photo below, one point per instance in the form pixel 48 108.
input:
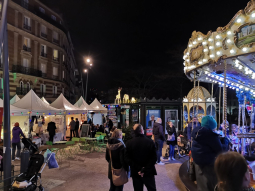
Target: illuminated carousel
pixel 227 57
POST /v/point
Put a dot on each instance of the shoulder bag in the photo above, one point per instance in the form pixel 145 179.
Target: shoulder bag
pixel 119 176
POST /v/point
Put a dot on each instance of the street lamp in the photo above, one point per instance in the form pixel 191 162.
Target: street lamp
pixel 87 61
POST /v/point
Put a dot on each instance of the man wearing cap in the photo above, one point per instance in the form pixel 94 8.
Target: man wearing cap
pixel 205 148
pixel 141 156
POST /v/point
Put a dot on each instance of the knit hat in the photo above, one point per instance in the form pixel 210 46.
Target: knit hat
pixel 16 124
pixel 208 122
pixel 159 120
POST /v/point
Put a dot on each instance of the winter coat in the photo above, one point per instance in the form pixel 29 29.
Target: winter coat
pixel 77 123
pixel 171 131
pixel 51 128
pixel 72 125
pixel 158 132
pixel 205 147
pixel 16 132
pixel 141 152
pixel 189 128
pixel 118 153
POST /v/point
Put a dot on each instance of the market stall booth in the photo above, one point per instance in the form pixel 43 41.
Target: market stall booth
pixel 69 111
pixel 99 111
pixel 226 57
pixel 37 111
pixel 14 99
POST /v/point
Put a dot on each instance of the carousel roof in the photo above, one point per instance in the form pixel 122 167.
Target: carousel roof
pixel 232 46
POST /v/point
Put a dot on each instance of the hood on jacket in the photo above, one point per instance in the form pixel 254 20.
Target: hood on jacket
pixel 202 133
pixel 114 144
pixel 157 124
pixel 16 128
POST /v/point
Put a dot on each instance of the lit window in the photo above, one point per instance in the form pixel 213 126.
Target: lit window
pixel 55 53
pixel 43 49
pixel 63 58
pixel 27 42
pixel 63 74
pixel 41 10
pixel 43 88
pixel 26 21
pixel 53 17
pixel 55 71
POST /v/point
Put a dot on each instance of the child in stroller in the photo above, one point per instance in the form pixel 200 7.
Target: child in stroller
pixel 28 181
pixel 182 144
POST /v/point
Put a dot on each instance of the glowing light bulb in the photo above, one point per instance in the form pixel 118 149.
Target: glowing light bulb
pixel 204 60
pixel 218 53
pixel 232 51
pixel 212 56
pixel 200 38
pixel 229 32
pixel 190 45
pixel 204 43
pixel 210 39
pixel 195 42
pixel 205 50
pixel 211 47
pixel 218 36
pixel 253 15
pixel 240 67
pixel 218 43
pixel 245 49
pixel 184 63
pixel 239 20
pixel 200 62
pixel 228 41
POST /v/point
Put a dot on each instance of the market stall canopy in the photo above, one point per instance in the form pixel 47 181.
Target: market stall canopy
pixel 35 105
pixel 44 100
pixel 62 103
pixel 230 48
pixel 14 99
pixel 97 106
pixel 82 104
pixel 15 110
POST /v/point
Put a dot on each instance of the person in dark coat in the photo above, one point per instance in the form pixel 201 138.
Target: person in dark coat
pixel 77 124
pixel 171 131
pixel 189 128
pixel 110 124
pixel 52 130
pixel 117 149
pixel 159 138
pixel 205 148
pixel 141 155
pixel 16 132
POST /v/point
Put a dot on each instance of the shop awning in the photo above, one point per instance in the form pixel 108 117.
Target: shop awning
pixel 82 104
pixel 62 103
pixel 14 99
pixel 35 105
pixel 97 106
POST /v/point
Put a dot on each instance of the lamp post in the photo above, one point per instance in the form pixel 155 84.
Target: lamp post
pixel 88 61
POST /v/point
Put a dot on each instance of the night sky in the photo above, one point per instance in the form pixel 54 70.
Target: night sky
pixel 127 37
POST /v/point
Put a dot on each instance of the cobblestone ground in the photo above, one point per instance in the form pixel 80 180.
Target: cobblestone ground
pixel 88 172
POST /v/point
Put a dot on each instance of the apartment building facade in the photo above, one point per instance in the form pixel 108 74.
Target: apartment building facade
pixel 40 52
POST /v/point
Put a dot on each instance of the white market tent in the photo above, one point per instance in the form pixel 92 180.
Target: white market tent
pixel 97 106
pixel 35 105
pixel 82 104
pixel 62 103
pixel 44 100
pixel 15 110
pixel 14 99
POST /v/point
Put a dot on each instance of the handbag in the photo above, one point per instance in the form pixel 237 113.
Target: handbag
pixel 119 176
pixel 171 137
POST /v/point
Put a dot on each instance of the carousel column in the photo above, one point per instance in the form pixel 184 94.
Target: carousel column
pixel 197 101
pixel 211 99
pixel 193 102
pixel 243 118
pixel 219 106
pixel 225 98
pixel 239 122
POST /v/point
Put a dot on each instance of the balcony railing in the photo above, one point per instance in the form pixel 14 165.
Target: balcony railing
pixel 26 70
pixel 66 81
pixel 27 27
pixel 44 75
pixel 55 59
pixel 43 35
pixel 54 77
pixel 22 91
pixel 55 41
pixel 26 48
pixel 43 54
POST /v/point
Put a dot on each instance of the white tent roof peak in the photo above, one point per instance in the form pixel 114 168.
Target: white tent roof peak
pixel 44 100
pixel 15 110
pixel 97 105
pixel 82 104
pixel 62 103
pixel 33 103
pixel 14 99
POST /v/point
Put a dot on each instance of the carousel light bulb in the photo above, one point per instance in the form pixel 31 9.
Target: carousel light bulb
pixel 211 47
pixel 246 69
pixel 187 53
pixel 220 83
pixel 218 53
pixel 218 43
pixel 184 63
pixel 190 45
pixel 228 41
pixel 209 74
pixel 218 36
pixel 204 43
pixel 246 89
pixel 200 62
pixel 206 72
pixel 206 78
pixel 237 89
pixel 232 84
pixel 200 38
pixel 217 77
pixel 245 49
pixel 204 60
pixel 184 57
pixel 205 50
pixel 240 67
pixel 240 87
pixel 229 32
pixel 251 90
pixel 212 56
pixel 250 72
pixel 212 76
pixel 232 51
pixel 226 85
pixel 187 60
pixel 210 39
pixel 210 80
pixel 237 65
pixel 195 42
pixel 239 20
pixel 253 15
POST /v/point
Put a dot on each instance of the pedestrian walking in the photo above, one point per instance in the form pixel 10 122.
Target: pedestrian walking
pixel 72 125
pixel 115 156
pixel 141 155
pixel 159 138
pixel 172 139
pixel 16 132
pixel 77 124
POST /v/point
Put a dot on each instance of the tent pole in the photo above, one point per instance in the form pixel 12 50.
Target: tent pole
pixel 219 104
pixel 64 127
pixel 211 99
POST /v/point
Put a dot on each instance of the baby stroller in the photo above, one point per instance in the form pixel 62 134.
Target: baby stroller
pixel 28 181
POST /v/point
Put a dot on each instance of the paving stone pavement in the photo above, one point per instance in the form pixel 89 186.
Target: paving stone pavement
pixel 89 173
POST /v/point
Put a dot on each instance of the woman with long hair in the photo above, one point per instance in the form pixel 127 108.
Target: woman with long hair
pixel 115 151
pixel 171 141
pixel 232 173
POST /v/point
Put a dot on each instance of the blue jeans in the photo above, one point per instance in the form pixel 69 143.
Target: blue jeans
pixel 159 151
pixel 171 151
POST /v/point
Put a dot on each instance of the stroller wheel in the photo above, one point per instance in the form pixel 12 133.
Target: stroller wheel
pixel 41 188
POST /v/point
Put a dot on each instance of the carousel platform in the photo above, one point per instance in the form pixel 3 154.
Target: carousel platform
pixel 184 177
